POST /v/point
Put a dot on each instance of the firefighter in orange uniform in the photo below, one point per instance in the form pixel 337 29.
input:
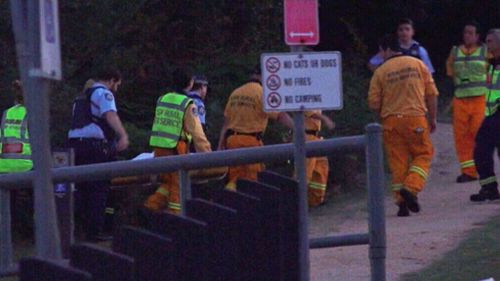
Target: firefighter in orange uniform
pixel 176 124
pixel 403 92
pixel 317 167
pixel 467 65
pixel 244 124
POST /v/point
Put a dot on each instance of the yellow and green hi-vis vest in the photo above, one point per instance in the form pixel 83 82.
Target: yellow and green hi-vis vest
pixel 14 134
pixel 493 95
pixel 168 126
pixel 470 72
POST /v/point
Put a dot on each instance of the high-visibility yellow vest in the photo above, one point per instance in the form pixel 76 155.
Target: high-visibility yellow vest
pixel 493 95
pixel 470 72
pixel 168 126
pixel 15 146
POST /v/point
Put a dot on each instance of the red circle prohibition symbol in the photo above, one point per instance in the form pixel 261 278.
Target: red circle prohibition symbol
pixel 274 100
pixel 273 64
pixel 273 82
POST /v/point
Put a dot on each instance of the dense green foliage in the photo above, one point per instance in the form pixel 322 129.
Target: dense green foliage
pixel 147 39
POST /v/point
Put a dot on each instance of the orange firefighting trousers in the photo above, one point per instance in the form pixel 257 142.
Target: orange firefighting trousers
pixel 245 171
pixel 468 114
pixel 167 196
pixel 409 150
pixel 317 177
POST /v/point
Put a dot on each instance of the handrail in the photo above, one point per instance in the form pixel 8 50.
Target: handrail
pixel 279 152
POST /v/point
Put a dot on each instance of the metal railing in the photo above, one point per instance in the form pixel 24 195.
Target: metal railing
pixel 371 141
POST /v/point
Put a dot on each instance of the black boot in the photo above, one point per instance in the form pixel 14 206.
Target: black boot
pixel 485 193
pixel 403 210
pixel 411 200
pixel 465 178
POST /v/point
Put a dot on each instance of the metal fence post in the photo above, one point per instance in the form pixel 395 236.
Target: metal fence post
pixel 376 219
pixel 185 189
pixel 300 170
pixel 5 230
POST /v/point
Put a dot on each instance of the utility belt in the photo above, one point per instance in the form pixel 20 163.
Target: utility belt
pixel 312 132
pixel 230 132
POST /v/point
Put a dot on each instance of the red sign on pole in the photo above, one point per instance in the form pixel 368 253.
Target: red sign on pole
pixel 301 22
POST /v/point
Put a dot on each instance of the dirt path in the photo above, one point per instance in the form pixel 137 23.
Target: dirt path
pixel 413 242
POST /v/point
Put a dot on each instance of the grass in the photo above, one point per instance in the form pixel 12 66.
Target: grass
pixel 476 258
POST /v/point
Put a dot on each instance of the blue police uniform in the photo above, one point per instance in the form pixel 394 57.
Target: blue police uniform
pixel 91 146
pixel 200 104
pixel 415 50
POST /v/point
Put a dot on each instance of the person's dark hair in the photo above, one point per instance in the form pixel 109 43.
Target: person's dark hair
pixel 406 21
pixel 474 24
pixel 108 74
pixel 199 81
pixel 389 41
pixel 180 79
pixel 17 88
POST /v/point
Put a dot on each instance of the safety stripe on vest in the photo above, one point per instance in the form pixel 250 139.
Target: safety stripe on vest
pixel 481 56
pixel 419 171
pixel 163 191
pixel 471 85
pixel 2 126
pixel 23 130
pixel 109 211
pixel 181 107
pixel 495 86
pixel 15 156
pixel 174 206
pixel 396 186
pixel 317 185
pixel 487 181
pixel 467 164
pixel 14 140
pixel 164 135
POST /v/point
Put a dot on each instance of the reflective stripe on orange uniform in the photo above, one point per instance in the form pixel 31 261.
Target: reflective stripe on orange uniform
pixel 398 90
pixel 468 115
pixel 245 114
pixel 167 196
pixel 316 168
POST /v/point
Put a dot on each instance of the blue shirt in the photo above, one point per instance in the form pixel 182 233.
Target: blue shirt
pixel 422 54
pixel 198 101
pixel 102 101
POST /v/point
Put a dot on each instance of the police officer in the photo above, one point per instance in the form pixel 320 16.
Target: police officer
pixel 94 130
pixel 488 137
pixel 407 46
pixel 176 124
pixel 198 94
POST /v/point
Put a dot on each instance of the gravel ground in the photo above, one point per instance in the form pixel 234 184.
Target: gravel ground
pixel 412 242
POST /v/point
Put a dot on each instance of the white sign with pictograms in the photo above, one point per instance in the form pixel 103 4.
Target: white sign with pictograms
pixel 302 81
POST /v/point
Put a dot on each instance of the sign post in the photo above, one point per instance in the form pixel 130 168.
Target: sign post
pixel 26 24
pixel 299 81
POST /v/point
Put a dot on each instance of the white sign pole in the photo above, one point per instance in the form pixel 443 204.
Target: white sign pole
pixel 50 51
